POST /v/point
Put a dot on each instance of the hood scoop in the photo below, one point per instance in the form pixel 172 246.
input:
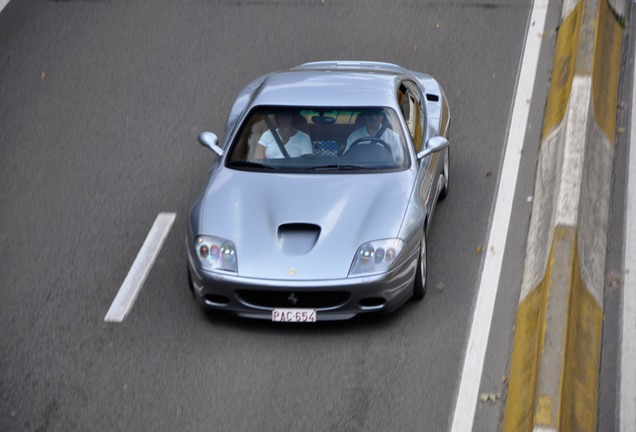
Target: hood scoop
pixel 297 238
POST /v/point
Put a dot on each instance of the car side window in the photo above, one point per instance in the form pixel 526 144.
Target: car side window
pixel 413 112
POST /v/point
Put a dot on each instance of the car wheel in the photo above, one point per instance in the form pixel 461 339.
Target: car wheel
pixel 446 172
pixel 190 284
pixel 419 286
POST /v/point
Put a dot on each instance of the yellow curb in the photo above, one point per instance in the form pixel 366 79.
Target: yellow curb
pixel 606 70
pixel 573 405
pixel 524 367
pixel 563 69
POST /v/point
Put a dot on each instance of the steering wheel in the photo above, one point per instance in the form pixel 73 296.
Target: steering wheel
pixel 370 140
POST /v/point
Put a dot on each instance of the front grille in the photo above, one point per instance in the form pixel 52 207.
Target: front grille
pixel 293 299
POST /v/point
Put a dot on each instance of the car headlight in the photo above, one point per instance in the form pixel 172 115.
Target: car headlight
pixel 215 253
pixel 376 256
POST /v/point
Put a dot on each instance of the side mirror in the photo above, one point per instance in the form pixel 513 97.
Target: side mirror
pixel 210 140
pixel 433 145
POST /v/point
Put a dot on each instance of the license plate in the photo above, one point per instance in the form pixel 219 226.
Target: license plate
pixel 294 315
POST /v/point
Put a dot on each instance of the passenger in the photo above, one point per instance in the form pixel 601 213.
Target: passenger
pixel 295 142
pixel 374 121
pixel 256 131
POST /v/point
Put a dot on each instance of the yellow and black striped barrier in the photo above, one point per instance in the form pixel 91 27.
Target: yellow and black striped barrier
pixel 556 355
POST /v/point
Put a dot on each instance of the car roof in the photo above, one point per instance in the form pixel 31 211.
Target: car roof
pixel 345 84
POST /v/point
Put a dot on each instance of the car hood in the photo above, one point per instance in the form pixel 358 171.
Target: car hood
pixel 302 226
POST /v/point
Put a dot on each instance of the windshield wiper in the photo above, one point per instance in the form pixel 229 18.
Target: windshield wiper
pixel 248 164
pixel 336 167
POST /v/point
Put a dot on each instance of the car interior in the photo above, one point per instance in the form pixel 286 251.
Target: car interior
pixel 329 130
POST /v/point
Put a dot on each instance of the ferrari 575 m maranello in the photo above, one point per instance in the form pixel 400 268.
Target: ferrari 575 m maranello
pixel 321 193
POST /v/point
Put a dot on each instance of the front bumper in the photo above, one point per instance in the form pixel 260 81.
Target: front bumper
pixel 339 299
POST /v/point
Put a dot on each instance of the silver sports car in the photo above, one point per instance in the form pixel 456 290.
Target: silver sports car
pixel 318 204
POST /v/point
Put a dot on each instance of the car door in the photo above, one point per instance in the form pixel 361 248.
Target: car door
pixel 414 112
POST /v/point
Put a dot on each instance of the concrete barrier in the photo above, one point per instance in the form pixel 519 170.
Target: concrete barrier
pixel 555 360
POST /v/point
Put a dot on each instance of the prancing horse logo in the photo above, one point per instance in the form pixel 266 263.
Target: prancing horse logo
pixel 293 299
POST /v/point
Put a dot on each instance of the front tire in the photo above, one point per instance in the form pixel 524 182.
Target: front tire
pixel 419 285
pixel 190 283
pixel 446 172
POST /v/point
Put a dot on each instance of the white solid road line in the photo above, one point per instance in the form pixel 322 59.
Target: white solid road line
pixel 3 3
pixel 466 403
pixel 141 267
pixel 628 337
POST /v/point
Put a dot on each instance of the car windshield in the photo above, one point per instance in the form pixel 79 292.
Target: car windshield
pixel 326 140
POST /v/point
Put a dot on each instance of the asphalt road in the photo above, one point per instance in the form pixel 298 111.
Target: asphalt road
pixel 100 105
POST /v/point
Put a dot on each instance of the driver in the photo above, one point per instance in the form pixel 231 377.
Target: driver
pixel 374 120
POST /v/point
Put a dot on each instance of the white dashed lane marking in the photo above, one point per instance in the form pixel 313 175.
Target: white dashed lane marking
pixel 3 3
pixel 141 267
